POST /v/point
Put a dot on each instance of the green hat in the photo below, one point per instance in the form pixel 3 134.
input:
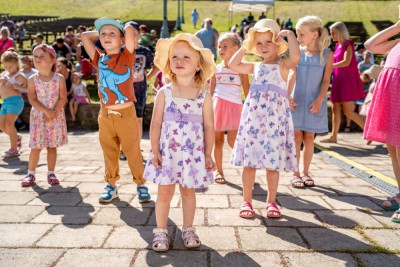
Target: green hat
pixel 99 23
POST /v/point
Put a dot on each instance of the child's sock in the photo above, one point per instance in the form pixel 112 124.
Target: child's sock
pixel 50 172
pixel 32 172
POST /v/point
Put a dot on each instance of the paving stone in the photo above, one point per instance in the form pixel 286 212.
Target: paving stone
pixel 135 202
pixel 88 169
pixel 294 218
pixel 319 259
pixel 93 200
pixel 329 173
pixel 175 217
pixel 122 216
pixel 385 218
pixel 57 199
pixel 171 258
pixel 11 186
pixel 262 189
pixel 230 217
pixel 17 214
pixel 43 187
pixel 347 218
pixel 276 238
pixel 93 188
pixel 303 203
pixel 62 236
pixel 353 190
pixel 224 189
pixel 16 198
pixel 248 259
pixel 356 181
pixel 216 238
pixel 15 235
pixel 334 239
pixel 347 202
pixel 237 201
pixel 37 257
pixel 212 201
pixel 317 190
pixel 96 257
pixel 84 178
pixel 66 215
pixel 385 237
pixel 387 260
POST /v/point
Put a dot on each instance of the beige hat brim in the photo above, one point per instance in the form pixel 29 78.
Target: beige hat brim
pixel 250 38
pixel 163 47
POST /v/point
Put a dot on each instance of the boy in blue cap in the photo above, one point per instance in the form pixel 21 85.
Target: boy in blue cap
pixel 117 117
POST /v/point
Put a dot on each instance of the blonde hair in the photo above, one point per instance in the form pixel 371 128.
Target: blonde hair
pixel 5 29
pixel 11 56
pixel 232 37
pixel 341 29
pixel 314 24
pixel 199 77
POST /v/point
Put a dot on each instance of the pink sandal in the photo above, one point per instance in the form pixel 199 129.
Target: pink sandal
pixel 246 210
pixel 190 238
pixel 160 239
pixel 273 211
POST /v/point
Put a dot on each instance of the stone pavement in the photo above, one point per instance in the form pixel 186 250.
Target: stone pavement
pixel 337 223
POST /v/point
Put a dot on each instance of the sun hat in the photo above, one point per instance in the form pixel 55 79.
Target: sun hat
pixel 374 71
pixel 163 47
pixel 99 23
pixel 265 25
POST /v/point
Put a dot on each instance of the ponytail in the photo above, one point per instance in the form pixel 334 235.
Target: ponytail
pixel 323 42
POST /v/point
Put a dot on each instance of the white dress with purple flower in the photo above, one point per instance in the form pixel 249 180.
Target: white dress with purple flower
pixel 265 139
pixel 181 144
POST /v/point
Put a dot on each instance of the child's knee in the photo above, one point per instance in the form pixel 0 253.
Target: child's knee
pixel 186 192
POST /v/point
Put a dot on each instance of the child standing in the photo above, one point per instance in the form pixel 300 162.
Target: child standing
pixel 47 94
pixel 118 125
pixel 227 98
pixel 310 115
pixel 383 120
pixel 11 82
pixel 80 94
pixel 181 132
pixel 265 138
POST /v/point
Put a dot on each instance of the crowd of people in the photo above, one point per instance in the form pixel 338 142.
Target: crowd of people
pixel 197 102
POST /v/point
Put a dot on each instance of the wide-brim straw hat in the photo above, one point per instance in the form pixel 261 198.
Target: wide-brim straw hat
pixel 265 25
pixel 374 71
pixel 163 47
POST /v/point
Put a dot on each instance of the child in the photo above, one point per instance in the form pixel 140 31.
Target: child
pixel 383 120
pixel 11 82
pixel 366 63
pixel 181 132
pixel 373 73
pixel 80 94
pixel 117 117
pixel 310 115
pixel 265 138
pixel 47 94
pixel 227 98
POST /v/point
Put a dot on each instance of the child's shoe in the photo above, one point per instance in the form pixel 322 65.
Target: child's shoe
pixel 160 239
pixel 108 194
pixel 29 180
pixel 11 153
pixel 19 143
pixel 190 238
pixel 52 179
pixel 143 194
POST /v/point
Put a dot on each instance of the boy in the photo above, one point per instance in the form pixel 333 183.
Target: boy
pixel 117 117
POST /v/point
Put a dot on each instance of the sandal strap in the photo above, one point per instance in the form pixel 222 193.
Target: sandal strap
pixel 160 231
pixel 188 235
pixel 247 204
pixel 296 179
pixel 272 207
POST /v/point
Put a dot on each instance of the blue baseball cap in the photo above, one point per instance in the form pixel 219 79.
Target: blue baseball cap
pixel 99 23
pixel 134 24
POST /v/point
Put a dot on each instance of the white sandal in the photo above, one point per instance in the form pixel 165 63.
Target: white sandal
pixel 160 239
pixel 190 238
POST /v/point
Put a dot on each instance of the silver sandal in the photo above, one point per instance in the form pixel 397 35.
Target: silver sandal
pixel 160 239
pixel 190 238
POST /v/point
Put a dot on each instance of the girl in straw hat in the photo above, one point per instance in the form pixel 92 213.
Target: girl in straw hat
pixel 265 138
pixel 181 132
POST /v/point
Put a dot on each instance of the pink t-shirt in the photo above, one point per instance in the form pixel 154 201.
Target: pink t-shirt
pixel 4 45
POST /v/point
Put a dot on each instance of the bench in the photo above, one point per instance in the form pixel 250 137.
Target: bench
pixel 356 30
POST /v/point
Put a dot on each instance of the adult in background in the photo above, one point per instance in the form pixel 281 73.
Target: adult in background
pixel 6 41
pixel 10 25
pixel 61 48
pixel 209 36
pixel 262 16
pixel 346 84
pixel 70 38
pixel 195 17
pixel 64 67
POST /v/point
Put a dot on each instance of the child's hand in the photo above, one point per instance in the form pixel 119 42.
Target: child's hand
pixel 315 106
pixel 282 33
pixel 210 164
pixel 50 114
pixel 156 159
pixel 292 104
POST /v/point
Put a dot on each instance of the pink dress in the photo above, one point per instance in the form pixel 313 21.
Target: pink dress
pixel 44 132
pixel 383 120
pixel 346 84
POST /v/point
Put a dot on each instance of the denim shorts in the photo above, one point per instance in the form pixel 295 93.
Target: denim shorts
pixel 141 96
pixel 12 105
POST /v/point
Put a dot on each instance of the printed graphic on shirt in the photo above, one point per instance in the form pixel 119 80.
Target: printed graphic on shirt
pixel 138 68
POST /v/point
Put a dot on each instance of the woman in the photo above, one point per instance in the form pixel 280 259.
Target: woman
pixel 64 67
pixel 6 42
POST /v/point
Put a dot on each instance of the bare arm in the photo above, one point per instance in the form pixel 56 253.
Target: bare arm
pixel 237 65
pixel 154 70
pixel 213 84
pixel 131 38
pixel 294 51
pixel 86 93
pixel 291 81
pixel 62 100
pixel 379 43
pixel 209 131
pixel 88 38
pixel 216 37
pixel 348 55
pixel 78 53
pixel 155 128
pixel 245 84
pixel 21 79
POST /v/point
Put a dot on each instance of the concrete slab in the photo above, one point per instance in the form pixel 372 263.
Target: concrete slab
pixel 92 257
pixel 18 214
pixel 212 201
pixel 121 216
pixel 319 259
pixel 295 218
pixel 230 217
pixel 248 259
pixel 385 237
pixel 15 235
pixel 171 258
pixel 303 202
pixel 37 256
pixel 387 260
pixel 56 199
pixel 347 218
pixel 175 217
pixel 352 203
pixel 17 198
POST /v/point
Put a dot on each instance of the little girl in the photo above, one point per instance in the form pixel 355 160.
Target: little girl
pixel 227 98
pixel 80 94
pixel 310 114
pixel 181 132
pixel 383 120
pixel 47 94
pixel 265 137
pixel 11 82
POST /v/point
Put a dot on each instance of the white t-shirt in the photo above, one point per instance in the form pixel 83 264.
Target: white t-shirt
pixel 29 74
pixel 78 90
pixel 228 85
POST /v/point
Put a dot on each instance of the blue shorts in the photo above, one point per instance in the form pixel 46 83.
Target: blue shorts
pixel 12 105
pixel 141 96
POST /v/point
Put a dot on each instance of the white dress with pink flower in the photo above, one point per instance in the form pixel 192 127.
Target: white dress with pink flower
pixel 181 144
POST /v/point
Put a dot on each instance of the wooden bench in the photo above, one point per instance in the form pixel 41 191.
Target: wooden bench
pixel 356 30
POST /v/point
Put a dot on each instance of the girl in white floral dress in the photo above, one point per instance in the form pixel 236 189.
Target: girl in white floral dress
pixel 266 137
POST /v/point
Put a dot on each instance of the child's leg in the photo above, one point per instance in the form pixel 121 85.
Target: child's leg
pixel 164 197
pixel 394 153
pixel 232 137
pixel 51 158
pixel 71 109
pixel 34 159
pixel 308 151
pixel 298 138
pixel 348 124
pixel 248 177
pixel 3 124
pixel 188 205
pixel 348 109
pixel 219 143
pixel 76 107
pixel 273 181
pixel 11 130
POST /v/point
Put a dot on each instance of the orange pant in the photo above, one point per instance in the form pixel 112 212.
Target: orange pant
pixel 118 129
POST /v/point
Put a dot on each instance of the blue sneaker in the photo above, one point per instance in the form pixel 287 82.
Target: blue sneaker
pixel 108 194
pixel 143 193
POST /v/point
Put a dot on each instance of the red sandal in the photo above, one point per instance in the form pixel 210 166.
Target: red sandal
pixel 273 211
pixel 246 210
